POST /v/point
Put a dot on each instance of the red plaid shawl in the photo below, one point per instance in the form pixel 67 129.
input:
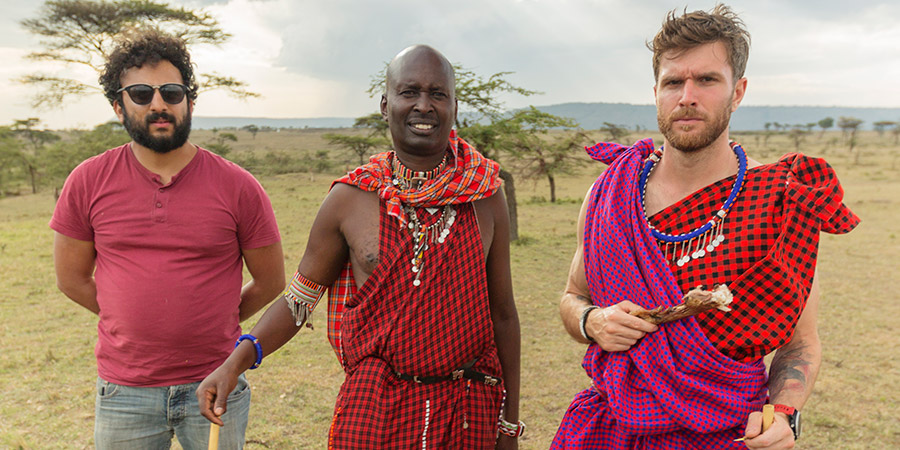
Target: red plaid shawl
pixel 769 256
pixel 674 389
pixel 468 177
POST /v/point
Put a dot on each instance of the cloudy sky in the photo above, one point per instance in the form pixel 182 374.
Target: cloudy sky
pixel 313 58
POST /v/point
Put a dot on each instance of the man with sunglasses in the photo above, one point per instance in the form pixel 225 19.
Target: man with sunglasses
pixel 152 237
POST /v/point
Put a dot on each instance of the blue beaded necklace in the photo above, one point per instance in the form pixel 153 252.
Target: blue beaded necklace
pixel 699 242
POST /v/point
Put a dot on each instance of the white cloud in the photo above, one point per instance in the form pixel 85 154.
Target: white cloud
pixel 313 58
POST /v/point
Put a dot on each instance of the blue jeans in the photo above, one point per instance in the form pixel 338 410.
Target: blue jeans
pixel 129 417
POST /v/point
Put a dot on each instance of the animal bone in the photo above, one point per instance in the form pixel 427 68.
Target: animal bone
pixel 696 301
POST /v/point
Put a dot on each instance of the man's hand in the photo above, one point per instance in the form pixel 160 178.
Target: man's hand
pixel 212 394
pixel 614 329
pixel 778 436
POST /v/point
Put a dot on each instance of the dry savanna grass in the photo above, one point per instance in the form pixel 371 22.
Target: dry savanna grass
pixel 48 369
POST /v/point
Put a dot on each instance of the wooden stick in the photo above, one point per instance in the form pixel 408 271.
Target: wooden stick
pixel 768 416
pixel 696 301
pixel 213 436
pixel 767 420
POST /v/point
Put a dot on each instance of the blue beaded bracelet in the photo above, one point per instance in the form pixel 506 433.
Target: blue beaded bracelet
pixel 259 353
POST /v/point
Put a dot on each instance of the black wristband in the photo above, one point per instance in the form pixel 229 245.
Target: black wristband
pixel 584 316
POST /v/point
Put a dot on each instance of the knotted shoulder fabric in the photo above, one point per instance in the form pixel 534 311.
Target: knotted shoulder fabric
pixel 768 258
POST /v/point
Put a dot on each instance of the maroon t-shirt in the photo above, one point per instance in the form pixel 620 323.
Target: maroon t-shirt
pixel 168 263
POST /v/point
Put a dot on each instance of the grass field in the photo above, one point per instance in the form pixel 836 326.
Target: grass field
pixel 48 370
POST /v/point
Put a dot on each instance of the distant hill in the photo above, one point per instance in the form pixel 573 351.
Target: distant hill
pixel 208 123
pixel 746 118
pixel 592 115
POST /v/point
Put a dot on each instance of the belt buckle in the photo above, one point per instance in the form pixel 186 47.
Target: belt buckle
pixel 457 374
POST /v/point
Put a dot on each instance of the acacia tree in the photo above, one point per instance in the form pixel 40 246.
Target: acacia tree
pixel 35 140
pixel 881 125
pixel 219 145
pixel 375 123
pixel 60 158
pixel 481 109
pixel 615 132
pixel 849 126
pixel 825 124
pixel 83 33
pixel 539 155
pixel 10 157
pixel 797 136
pixel 252 129
pixel 361 146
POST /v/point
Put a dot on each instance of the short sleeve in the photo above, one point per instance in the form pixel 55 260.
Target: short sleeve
pixel 256 218
pixel 813 186
pixel 71 217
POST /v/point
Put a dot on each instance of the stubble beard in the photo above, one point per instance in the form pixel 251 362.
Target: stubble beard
pixel 140 132
pixel 686 141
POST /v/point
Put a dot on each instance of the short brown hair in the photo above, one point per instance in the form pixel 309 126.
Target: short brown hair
pixel 146 46
pixel 700 27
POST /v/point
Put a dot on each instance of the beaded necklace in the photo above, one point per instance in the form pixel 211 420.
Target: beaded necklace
pixel 700 241
pixel 423 235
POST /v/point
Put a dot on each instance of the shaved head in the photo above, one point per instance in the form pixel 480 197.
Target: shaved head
pixel 413 53
pixel 419 103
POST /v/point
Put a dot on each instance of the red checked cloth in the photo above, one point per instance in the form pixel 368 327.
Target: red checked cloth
pixel 768 258
pixel 674 389
pixel 389 325
pixel 469 177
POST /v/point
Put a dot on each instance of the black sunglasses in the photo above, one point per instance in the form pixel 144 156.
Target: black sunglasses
pixel 142 94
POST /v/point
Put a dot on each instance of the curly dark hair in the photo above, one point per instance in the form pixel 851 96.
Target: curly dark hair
pixel 146 46
pixel 693 29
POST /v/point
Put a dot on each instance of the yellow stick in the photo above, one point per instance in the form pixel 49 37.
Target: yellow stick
pixel 768 418
pixel 213 436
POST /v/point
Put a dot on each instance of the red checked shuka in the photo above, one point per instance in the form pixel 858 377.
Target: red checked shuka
pixel 391 326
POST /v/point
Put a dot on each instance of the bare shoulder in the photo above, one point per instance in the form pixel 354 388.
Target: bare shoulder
pixel 493 207
pixel 343 201
pixel 493 218
pixel 357 215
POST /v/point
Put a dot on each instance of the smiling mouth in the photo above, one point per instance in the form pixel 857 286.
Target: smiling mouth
pixel 423 126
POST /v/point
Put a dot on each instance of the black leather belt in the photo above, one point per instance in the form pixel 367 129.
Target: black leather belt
pixel 463 372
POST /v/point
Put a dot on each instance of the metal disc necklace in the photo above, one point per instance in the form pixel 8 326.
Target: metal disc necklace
pixel 424 236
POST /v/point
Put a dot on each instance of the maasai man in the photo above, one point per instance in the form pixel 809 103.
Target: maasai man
pixel 415 247
pixel 697 211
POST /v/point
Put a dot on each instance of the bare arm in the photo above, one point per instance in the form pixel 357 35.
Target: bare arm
pixel 611 327
pixel 503 311
pixel 325 254
pixel 74 261
pixel 266 266
pixel 792 375
pixel 796 365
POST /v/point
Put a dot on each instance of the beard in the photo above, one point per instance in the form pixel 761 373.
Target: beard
pixel 140 132
pixel 685 141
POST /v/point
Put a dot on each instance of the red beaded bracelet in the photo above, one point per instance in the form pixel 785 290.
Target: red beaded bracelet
pixel 512 430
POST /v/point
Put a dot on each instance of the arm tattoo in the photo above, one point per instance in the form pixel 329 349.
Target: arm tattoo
pixel 790 364
pixel 584 299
